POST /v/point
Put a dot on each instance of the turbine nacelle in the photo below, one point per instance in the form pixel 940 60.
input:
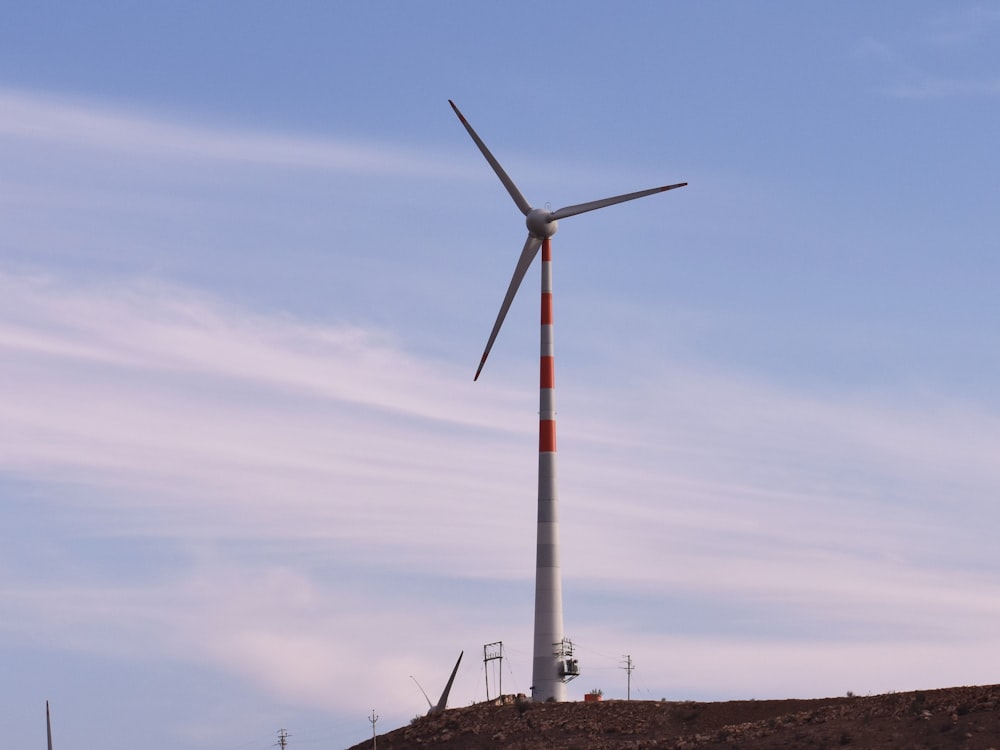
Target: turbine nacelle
pixel 540 223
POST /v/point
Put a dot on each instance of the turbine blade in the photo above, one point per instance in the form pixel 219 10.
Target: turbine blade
pixel 581 208
pixel 527 255
pixel 508 183
pixel 429 704
pixel 443 703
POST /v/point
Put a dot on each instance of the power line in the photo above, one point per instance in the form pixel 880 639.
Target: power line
pixel 282 739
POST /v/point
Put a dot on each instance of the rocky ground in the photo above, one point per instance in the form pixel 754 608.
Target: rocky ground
pixel 962 717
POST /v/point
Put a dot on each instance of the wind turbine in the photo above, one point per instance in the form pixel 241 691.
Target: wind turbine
pixel 552 664
pixel 442 703
pixel 48 724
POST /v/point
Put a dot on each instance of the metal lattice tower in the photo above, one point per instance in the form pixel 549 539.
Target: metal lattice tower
pixel 493 652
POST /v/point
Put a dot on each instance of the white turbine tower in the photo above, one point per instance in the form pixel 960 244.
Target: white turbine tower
pixel 552 665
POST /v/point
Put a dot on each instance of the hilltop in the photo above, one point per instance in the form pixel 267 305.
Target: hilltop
pixel 960 717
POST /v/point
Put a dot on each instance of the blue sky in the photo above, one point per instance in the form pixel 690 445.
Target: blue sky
pixel 248 264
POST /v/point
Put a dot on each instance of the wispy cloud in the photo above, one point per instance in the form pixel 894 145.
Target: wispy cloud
pixel 305 643
pixel 963 26
pixel 933 87
pixel 139 383
pixel 148 411
pixel 144 377
pixel 918 57
pixel 330 448
pixel 85 124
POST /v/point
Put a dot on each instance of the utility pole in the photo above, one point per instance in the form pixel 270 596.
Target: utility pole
pixel 282 739
pixel 629 666
pixel 373 719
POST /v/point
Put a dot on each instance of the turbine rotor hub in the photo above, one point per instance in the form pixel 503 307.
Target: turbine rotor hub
pixel 539 223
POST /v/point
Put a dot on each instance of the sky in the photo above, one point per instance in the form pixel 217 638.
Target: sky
pixel 249 259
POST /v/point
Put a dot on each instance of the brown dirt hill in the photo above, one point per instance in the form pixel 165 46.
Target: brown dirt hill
pixel 961 717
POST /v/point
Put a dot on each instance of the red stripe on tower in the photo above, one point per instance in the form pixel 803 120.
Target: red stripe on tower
pixel 547 436
pixel 548 372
